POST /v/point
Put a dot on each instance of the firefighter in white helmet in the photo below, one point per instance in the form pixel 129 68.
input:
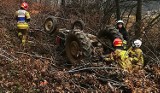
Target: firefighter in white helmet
pixel 136 54
pixel 123 31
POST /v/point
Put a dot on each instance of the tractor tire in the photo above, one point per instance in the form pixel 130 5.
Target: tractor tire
pixel 110 32
pixel 78 47
pixel 107 37
pixel 78 24
pixel 50 25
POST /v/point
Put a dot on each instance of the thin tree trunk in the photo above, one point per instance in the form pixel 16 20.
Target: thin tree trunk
pixel 138 19
pixel 62 3
pixel 21 1
pixel 118 12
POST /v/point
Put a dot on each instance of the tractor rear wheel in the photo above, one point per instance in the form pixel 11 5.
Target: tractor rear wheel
pixel 78 24
pixel 78 47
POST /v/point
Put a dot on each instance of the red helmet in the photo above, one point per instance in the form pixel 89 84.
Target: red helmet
pixel 117 42
pixel 24 5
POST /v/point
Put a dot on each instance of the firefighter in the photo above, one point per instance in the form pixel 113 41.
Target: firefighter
pixel 23 17
pixel 122 30
pixel 119 55
pixel 136 54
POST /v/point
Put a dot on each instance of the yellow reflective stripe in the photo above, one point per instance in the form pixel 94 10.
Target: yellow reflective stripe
pixel 23 41
pixel 142 59
pixel 22 26
pixel 19 34
pixel 27 15
pixel 135 58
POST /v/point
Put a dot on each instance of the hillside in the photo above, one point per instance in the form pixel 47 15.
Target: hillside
pixel 39 68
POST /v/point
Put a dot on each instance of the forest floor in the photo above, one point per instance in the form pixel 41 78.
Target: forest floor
pixel 38 68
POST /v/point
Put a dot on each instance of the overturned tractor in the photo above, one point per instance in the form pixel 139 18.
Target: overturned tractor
pixel 79 45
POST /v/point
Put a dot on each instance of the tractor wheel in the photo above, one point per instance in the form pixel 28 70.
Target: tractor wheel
pixel 106 37
pixel 78 24
pixel 50 25
pixel 78 47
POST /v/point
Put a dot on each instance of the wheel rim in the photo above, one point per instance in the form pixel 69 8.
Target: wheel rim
pixel 74 49
pixel 48 25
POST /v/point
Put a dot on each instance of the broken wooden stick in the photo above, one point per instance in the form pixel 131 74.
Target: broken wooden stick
pixel 90 68
pixel 36 56
pixel 7 58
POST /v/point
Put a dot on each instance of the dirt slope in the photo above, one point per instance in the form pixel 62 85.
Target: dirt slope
pixel 32 71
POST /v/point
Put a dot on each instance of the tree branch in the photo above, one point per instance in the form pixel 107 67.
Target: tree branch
pixel 35 56
pixel 90 68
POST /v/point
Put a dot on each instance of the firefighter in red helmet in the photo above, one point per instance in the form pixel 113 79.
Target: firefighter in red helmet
pixel 119 55
pixel 22 18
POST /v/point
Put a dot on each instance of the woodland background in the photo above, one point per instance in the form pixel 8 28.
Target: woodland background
pixel 41 69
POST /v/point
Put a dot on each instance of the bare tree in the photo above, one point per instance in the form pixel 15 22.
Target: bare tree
pixel 118 13
pixel 138 18
pixel 63 2
pixel 22 1
pixel 108 10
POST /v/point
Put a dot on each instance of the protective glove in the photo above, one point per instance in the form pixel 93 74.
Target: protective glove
pixel 124 44
pixel 107 59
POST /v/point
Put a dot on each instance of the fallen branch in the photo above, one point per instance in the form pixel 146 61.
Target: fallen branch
pixel 36 56
pixel 111 87
pixel 7 58
pixel 3 55
pixel 158 60
pixel 113 82
pixel 145 55
pixel 78 86
pixel 9 54
pixel 90 68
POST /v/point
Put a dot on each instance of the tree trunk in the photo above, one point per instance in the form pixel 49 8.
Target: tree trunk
pixel 138 19
pixel 62 3
pixel 21 1
pixel 40 1
pixel 118 13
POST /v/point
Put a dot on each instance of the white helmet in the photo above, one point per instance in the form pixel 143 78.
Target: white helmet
pixel 120 21
pixel 137 43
